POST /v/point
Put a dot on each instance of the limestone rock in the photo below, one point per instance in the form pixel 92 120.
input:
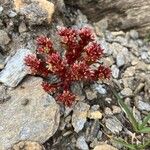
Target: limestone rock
pixel 105 147
pixel 110 122
pixel 4 38
pixel 81 143
pixel 15 70
pixel 79 116
pixel 30 114
pixel 27 145
pixel 36 11
pixel 127 92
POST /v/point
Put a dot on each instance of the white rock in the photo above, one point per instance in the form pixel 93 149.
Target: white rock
pixel 15 69
pixel 105 47
pixel 79 116
pixel 120 59
pixel 12 14
pixel 143 105
pixel 115 71
pixel 127 92
pixel 81 143
pixel 134 34
pixel 1 9
pixel 144 55
pixel 100 88
pixel 30 114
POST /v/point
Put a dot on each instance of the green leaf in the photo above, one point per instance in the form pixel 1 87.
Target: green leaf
pixel 146 144
pixel 145 121
pixel 126 110
pixel 145 130
pixel 125 144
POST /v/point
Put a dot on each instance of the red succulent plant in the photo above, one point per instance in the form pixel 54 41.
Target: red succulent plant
pixel 81 52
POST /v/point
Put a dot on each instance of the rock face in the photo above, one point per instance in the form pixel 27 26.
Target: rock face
pixel 15 70
pixel 120 14
pixel 36 11
pixel 30 114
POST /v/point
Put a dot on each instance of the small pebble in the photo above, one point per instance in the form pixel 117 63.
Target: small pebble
pixel 127 92
pixel 143 106
pixel 116 109
pixel 134 34
pixel 81 143
pixel 115 71
pixel 12 14
pixel 91 94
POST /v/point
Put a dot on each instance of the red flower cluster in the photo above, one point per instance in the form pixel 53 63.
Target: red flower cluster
pixel 75 65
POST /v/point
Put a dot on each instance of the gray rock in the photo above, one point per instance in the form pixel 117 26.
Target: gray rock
pixel 134 34
pixel 115 71
pixel 36 11
pixel 100 88
pixel 81 19
pixel 129 72
pixel 143 105
pixel 15 69
pixel 2 61
pixel 114 125
pixel 30 114
pixel 121 40
pixel 79 116
pixel 127 92
pixel 12 14
pixel 1 9
pixel 144 55
pixel 108 36
pixel 120 53
pixel 107 51
pixel 22 27
pixel 77 88
pixel 120 59
pixel 116 109
pixel 92 130
pixel 4 39
pixel 91 95
pixel 81 143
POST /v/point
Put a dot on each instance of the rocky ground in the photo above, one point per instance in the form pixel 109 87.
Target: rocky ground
pixel 28 114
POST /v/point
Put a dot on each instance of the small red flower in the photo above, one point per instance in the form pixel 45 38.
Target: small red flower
pixel 103 72
pixel 49 87
pixel 94 52
pixel 67 98
pixel 44 45
pixel 33 62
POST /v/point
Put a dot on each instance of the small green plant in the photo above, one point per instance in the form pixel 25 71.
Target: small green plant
pixel 137 126
pixel 140 146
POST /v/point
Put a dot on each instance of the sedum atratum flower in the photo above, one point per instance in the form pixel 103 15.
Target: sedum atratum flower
pixel 81 51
